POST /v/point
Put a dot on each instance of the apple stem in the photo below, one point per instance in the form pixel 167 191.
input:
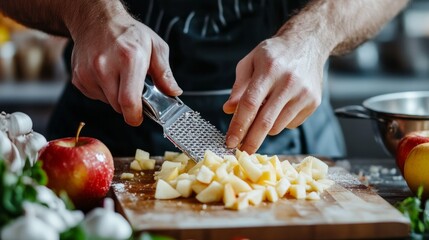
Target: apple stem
pixel 81 124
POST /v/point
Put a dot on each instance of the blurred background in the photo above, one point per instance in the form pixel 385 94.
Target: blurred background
pixel 32 72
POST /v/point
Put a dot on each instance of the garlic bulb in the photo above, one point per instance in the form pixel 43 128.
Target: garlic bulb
pixel 47 215
pixel 104 223
pixel 48 197
pixel 28 227
pixel 19 124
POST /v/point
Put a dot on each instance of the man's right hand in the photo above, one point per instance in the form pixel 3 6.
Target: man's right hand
pixel 111 58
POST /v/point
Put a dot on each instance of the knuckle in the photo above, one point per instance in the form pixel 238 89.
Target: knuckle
pixel 266 123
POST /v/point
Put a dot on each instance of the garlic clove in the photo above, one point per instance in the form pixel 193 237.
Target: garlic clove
pixel 19 124
pixel 71 218
pixel 47 196
pixel 5 146
pixel 28 227
pixel 49 216
pixel 104 223
pixel 34 142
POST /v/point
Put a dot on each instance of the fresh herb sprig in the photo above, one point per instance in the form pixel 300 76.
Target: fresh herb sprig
pixel 15 189
pixel 416 211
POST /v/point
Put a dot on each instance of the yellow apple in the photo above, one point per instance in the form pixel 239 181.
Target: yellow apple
pixel 416 169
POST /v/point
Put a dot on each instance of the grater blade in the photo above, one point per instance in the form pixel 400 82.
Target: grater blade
pixel 185 128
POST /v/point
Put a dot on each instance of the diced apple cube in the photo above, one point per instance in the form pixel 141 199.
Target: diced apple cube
pixel 211 160
pixel 186 176
pixel 255 197
pixel 238 184
pixel 229 197
pixel 297 191
pixel 205 175
pixel 252 170
pixel 183 158
pixel 213 193
pixel 221 172
pixel 184 187
pixel 147 164
pixel 127 176
pixel 188 166
pixel 274 160
pixel 194 170
pixel 271 194
pixel 135 165
pixel 170 155
pixel 168 174
pixel 288 169
pixel 305 166
pixel 319 168
pixel 231 159
pixel 241 203
pixel 313 196
pixel 170 164
pixel 282 187
pixel 141 154
pixel 197 186
pixel 165 191
pixel 268 174
pixel 262 158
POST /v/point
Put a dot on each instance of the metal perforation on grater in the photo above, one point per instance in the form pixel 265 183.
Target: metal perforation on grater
pixel 185 128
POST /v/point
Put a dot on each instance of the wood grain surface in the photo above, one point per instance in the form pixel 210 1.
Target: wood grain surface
pixel 347 210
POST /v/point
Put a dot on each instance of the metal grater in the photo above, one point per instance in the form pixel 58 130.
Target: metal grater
pixel 185 128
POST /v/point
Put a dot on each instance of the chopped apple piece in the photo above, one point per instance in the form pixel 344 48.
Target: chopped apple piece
pixel 194 170
pixel 274 160
pixel 313 196
pixel 305 166
pixel 252 170
pixel 241 203
pixel 168 174
pixel 238 184
pixel 282 187
pixel 170 164
pixel 268 175
pixel 317 186
pixel 271 194
pixel 229 197
pixel 288 169
pixel 297 191
pixel 147 164
pixel 165 191
pixel 231 159
pixel 184 187
pixel 183 158
pixel 127 176
pixel 189 165
pixel 319 169
pixel 213 193
pixel 262 158
pixel 221 172
pixel 141 154
pixel 197 186
pixel 135 165
pixel 186 176
pixel 170 155
pixel 211 160
pixel 255 197
pixel 205 175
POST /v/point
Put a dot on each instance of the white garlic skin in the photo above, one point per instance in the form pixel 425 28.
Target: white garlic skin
pixel 28 227
pixel 19 123
pixel 34 142
pixel 104 223
pixel 5 146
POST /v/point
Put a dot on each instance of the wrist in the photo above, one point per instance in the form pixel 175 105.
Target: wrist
pixel 96 14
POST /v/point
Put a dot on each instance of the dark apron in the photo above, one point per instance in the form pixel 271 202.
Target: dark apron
pixel 206 39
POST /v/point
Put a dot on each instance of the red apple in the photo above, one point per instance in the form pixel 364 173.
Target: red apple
pixel 406 144
pixel 81 166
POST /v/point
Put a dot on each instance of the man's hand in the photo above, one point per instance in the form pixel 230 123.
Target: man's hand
pixel 110 62
pixel 278 85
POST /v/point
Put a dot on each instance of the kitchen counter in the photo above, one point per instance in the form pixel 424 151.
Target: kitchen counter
pixel 381 175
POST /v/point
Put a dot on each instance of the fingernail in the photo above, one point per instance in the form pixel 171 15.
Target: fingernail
pixel 232 141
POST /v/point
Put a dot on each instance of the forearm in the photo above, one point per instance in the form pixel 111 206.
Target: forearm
pixel 338 26
pixel 65 17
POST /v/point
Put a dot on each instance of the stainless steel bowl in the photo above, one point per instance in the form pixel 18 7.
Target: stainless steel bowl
pixel 394 115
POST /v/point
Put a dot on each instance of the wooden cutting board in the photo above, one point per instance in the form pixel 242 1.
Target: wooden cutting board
pixel 347 210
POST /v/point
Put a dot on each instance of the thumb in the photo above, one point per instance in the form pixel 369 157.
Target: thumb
pixel 243 73
pixel 160 70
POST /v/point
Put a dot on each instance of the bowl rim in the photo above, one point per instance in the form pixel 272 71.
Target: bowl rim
pixel 395 96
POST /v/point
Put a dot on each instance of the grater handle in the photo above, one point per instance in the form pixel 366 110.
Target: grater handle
pixel 156 104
